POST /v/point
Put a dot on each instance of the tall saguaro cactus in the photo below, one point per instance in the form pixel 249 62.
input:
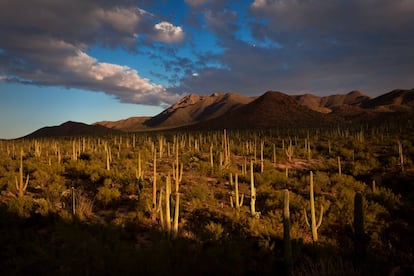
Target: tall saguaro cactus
pixel 261 157
pixel 176 214
pixel 20 184
pixel 401 156
pixel 167 203
pixel 211 158
pixel 154 188
pixel 178 176
pixel 289 151
pixel 339 166
pixel 313 224
pixel 287 243
pixel 108 156
pixel 238 200
pixel 252 191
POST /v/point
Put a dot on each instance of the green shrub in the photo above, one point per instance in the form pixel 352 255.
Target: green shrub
pixel 22 206
pixel 214 231
pixel 108 193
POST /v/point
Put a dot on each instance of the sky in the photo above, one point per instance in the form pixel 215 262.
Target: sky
pixel 93 60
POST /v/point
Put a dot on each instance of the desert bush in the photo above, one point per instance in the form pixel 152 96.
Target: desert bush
pixel 42 206
pixel 214 231
pixel 108 193
pixel 199 194
pixel 22 206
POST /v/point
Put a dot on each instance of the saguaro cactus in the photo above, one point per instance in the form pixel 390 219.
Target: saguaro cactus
pixel 108 156
pixel 339 166
pixel 252 191
pixel 176 214
pixel 238 200
pixel 73 201
pixel 154 188
pixel 289 151
pixel 20 184
pixel 167 203
pixel 313 225
pixel 261 157
pixel 211 158
pixel 178 176
pixel 400 153
pixel 138 170
pixel 287 243
pixel 74 152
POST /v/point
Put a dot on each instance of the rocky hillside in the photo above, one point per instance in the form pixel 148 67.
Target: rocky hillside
pixel 195 108
pixel 328 103
pixel 271 110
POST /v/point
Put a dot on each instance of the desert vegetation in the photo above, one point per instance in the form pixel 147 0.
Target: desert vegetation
pixel 334 201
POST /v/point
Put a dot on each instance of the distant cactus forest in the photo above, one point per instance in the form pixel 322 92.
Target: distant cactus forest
pixel 334 201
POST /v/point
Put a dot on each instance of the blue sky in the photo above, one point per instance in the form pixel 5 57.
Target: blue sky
pixel 90 60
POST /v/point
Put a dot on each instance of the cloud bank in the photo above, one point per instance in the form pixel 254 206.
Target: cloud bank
pixel 45 43
pixel 294 46
pixel 323 47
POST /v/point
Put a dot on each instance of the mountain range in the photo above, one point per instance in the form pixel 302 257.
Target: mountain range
pixel 273 109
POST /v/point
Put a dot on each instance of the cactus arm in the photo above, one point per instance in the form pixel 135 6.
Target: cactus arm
pixel 320 218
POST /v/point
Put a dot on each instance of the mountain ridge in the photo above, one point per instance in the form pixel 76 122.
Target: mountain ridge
pixel 71 128
pixel 273 109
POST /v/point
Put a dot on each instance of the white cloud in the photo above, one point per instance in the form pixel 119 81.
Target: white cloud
pixel 56 52
pixel 168 33
pixel 121 81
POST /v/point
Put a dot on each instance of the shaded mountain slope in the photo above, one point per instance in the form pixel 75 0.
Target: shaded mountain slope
pixel 327 103
pixel 71 129
pixel 194 108
pixel 130 124
pixel 396 100
pixel 271 110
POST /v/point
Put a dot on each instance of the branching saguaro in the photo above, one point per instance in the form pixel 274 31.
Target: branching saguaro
pixel 20 184
pixel 289 151
pixel 313 224
pixel 237 202
pixel 226 148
